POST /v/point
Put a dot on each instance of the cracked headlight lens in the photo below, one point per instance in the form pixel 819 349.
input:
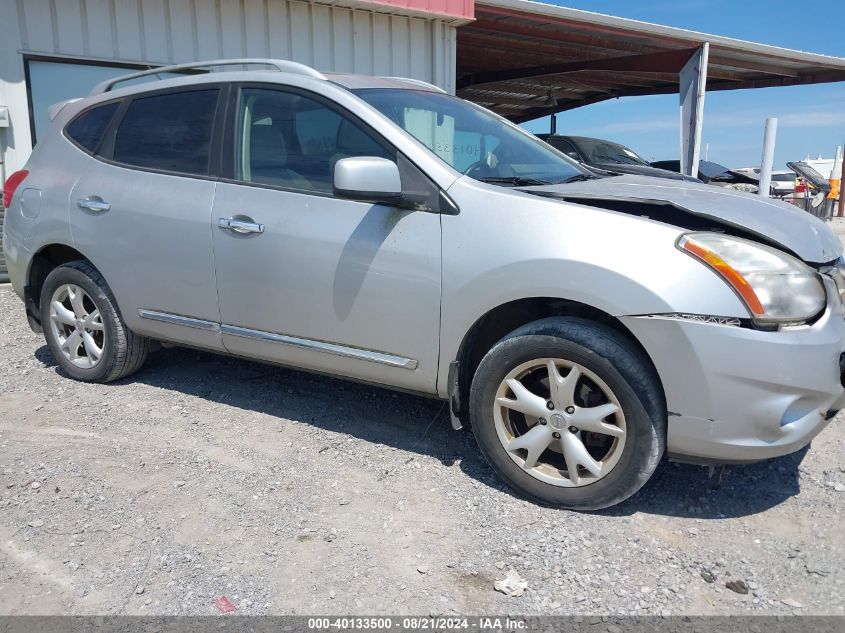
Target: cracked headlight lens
pixel 775 287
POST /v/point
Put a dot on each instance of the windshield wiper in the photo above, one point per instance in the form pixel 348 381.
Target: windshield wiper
pixel 514 181
pixel 578 178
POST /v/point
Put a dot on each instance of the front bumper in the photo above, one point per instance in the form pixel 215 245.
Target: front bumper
pixel 736 394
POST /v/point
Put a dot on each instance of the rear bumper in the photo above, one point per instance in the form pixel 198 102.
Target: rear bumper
pixel 17 260
pixel 740 395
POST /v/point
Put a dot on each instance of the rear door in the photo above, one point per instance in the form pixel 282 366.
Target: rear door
pixel 141 213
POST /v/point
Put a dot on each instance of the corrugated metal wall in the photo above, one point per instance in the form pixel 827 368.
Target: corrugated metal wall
pixel 456 8
pixel 327 37
pixel 324 35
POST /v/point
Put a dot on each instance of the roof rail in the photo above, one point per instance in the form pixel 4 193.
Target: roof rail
pixel 282 65
pixel 419 82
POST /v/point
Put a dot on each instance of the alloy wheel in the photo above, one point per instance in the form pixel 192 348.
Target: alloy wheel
pixel 77 326
pixel 559 422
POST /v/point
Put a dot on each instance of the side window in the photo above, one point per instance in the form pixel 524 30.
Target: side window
pixel 88 127
pixel 171 132
pixel 568 148
pixel 289 140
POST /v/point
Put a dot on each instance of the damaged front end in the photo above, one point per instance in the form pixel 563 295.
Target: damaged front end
pixel 700 207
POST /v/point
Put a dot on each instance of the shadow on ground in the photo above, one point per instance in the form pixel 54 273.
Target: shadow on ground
pixel 421 425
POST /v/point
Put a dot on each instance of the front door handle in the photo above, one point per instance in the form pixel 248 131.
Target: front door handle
pixel 240 226
pixel 93 203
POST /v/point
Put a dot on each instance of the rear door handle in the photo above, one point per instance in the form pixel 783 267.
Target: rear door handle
pixel 240 226
pixel 93 203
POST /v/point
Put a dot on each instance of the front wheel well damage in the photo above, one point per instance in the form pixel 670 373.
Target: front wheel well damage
pixel 504 319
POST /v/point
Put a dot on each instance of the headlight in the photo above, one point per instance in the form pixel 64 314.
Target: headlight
pixel 775 287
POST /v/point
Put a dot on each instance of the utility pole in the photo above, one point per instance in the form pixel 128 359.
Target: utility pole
pixel 840 211
pixel 768 156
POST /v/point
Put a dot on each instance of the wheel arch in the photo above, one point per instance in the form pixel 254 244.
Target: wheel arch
pixel 42 263
pixel 496 323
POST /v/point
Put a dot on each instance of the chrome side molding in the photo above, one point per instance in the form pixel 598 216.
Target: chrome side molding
pixel 381 358
pixel 320 346
pixel 699 318
pixel 176 319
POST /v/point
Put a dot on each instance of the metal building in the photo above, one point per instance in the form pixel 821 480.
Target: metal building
pixel 520 58
pixel 51 50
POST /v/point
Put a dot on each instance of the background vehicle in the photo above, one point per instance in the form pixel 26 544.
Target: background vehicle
pixel 607 155
pixel 812 190
pixel 751 172
pixel 714 174
pixel 811 177
pixel 382 230
pixel 783 183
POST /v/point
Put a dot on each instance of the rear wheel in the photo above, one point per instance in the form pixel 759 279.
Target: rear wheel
pixel 569 412
pixel 83 327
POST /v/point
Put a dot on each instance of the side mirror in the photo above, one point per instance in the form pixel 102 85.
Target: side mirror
pixel 367 178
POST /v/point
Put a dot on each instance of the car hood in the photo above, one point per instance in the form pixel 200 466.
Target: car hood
pixel 772 220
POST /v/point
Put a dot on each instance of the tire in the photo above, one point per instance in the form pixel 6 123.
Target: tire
pixel 122 351
pixel 612 371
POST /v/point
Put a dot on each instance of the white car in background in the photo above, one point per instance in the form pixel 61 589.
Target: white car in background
pixel 783 183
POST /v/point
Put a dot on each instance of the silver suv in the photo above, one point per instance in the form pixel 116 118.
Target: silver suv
pixel 379 229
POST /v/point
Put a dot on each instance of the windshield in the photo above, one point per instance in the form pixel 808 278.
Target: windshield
pixel 598 151
pixel 474 141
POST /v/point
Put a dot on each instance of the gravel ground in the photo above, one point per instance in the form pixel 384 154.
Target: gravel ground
pixel 203 476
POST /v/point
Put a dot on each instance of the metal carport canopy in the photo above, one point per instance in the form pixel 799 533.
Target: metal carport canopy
pixel 525 59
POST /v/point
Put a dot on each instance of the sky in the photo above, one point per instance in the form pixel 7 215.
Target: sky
pixel 811 119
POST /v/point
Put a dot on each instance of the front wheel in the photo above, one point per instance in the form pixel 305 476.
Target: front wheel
pixel 83 327
pixel 569 413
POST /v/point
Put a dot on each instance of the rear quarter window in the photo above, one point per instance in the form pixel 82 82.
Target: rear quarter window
pixel 170 132
pixel 87 129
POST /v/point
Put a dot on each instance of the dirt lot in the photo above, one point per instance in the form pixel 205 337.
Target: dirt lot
pixel 204 476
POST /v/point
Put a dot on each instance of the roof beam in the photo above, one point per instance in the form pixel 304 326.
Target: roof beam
pixel 519 103
pixel 768 69
pixel 561 36
pixel 522 59
pixel 515 88
pixel 577 81
pixel 569 83
pixel 536 113
pixel 528 54
pixel 712 86
pixel 614 31
pixel 670 61
pixel 526 50
pixel 499 43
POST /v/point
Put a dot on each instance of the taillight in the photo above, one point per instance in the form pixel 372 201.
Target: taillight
pixel 12 183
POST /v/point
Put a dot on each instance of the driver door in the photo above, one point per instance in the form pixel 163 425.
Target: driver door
pixel 311 280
